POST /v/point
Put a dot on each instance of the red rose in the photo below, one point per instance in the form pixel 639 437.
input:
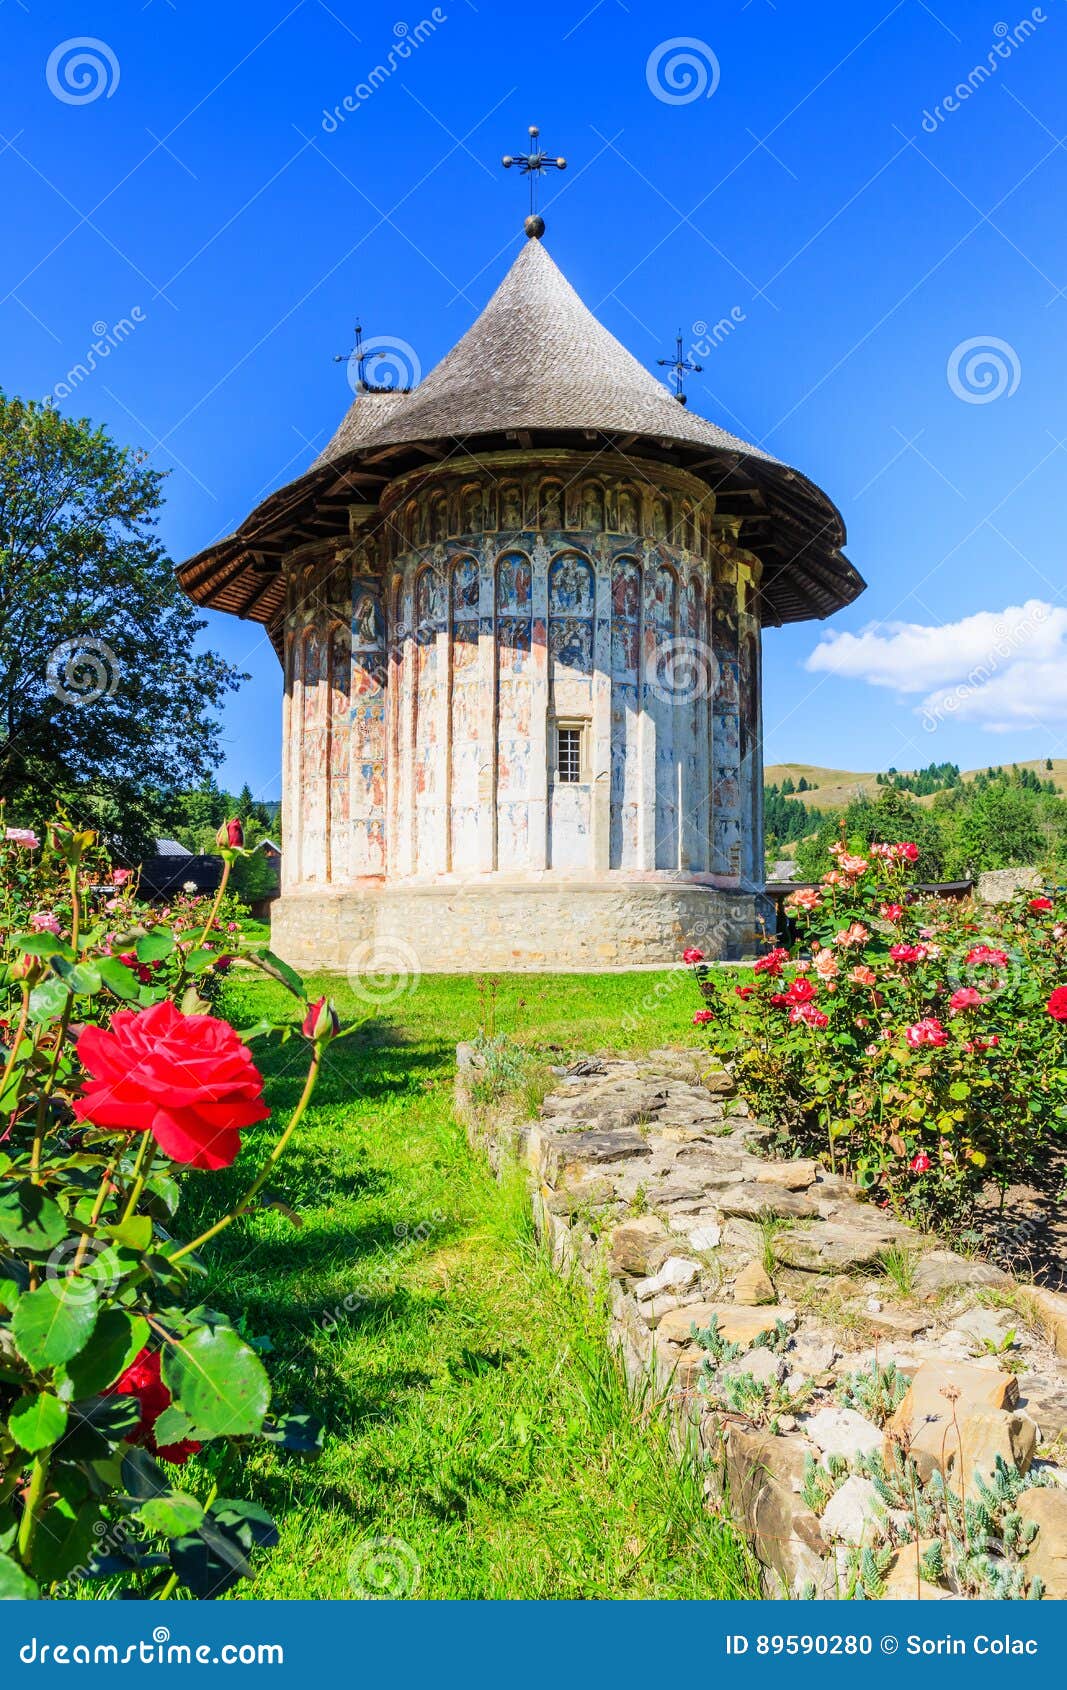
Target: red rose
pixel 891 912
pixel 744 991
pixel 772 962
pixel 1057 1004
pixel 800 991
pixel 909 852
pixel 142 1380
pixel 986 955
pixel 906 953
pixel 965 998
pixel 920 1164
pixel 702 1017
pixel 692 955
pixel 808 1013
pixel 1038 906
pixel 186 1079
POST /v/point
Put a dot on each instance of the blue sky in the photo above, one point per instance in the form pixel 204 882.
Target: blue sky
pixel 871 239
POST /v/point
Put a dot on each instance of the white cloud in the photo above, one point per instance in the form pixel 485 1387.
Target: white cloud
pixel 996 669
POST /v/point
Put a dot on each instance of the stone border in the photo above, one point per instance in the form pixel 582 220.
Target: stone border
pixel 829 1396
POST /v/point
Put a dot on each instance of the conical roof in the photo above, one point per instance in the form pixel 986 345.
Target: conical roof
pixel 537 365
pixel 536 358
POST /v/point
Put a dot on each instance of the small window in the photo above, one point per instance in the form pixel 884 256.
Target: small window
pixel 569 755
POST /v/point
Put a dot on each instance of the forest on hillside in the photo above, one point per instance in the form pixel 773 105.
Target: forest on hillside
pixel 1003 817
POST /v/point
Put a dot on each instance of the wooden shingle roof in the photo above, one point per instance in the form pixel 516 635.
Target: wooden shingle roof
pixel 536 365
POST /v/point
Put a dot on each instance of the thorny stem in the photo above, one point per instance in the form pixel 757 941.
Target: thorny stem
pixel 19 1031
pixel 264 1174
pixel 227 864
pixel 98 1204
pixel 64 1023
pixel 31 1507
pixel 141 1166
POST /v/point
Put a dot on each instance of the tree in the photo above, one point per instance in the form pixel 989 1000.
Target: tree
pixel 102 695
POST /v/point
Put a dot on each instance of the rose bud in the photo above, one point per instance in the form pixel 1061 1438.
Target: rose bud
pixel 321 1021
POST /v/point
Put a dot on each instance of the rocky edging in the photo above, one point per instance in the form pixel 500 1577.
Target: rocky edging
pixel 879 1415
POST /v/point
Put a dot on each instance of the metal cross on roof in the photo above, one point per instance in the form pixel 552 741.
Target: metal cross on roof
pixel 532 164
pixel 361 353
pixel 679 365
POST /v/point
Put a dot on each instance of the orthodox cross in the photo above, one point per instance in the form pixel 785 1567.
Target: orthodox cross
pixel 679 365
pixel 360 354
pixel 532 164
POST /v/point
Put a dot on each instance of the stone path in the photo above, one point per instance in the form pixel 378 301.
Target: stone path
pixel 756 1293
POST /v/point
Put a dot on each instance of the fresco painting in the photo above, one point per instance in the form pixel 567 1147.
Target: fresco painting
pixel 625 719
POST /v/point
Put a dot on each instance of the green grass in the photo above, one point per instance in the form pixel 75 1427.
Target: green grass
pixel 472 1411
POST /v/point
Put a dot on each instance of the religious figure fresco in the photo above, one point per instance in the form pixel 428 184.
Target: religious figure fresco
pixel 514 583
pixel 472 508
pixel 551 505
pixel 660 519
pixel 726 689
pixel 571 643
pixel 366 619
pixel 592 506
pixel 627 509
pixel 626 591
pixel 465 589
pixel 570 587
pixel 511 507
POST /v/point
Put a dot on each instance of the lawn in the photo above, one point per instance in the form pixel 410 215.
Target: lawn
pixel 480 1442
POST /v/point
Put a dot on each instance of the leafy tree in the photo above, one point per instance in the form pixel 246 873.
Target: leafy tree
pixel 999 827
pixel 102 695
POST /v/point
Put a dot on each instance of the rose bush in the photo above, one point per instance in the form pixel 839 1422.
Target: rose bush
pixel 919 1043
pixel 118 1080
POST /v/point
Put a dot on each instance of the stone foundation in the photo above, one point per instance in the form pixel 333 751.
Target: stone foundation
pixel 648 1180
pixel 521 926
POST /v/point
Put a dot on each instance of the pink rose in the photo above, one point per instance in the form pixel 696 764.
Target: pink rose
pixel 45 922
pixel 928 1031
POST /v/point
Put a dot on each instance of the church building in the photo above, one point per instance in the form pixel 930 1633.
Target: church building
pixel 519 610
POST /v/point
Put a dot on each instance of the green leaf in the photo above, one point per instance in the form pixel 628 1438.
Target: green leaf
pixel 37 1422
pixel 118 1339
pixel 28 1219
pixel 154 947
pixel 301 1433
pixel 118 977
pixel 958 1090
pixel 218 1382
pixel 48 1000
pixel 98 1426
pixel 83 978
pixel 250 1524
pixel 15 1585
pixel 198 960
pixel 209 1562
pixel 172 1515
pixel 172 1427
pixel 42 945
pixel 135 1233
pixel 279 970
pixel 54 1322
pixel 66 1539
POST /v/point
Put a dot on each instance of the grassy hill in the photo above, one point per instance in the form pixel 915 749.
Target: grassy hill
pixel 832 789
